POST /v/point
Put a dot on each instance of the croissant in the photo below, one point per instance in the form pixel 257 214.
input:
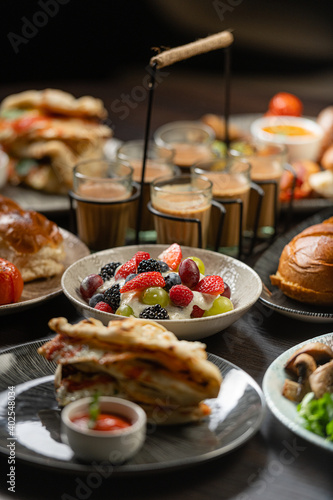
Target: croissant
pixel 305 270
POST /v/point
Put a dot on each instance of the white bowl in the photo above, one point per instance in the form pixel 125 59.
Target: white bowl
pixel 113 446
pixel 300 147
pixel 3 168
pixel 245 285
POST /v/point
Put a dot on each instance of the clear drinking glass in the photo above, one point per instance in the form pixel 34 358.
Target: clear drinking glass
pixel 192 142
pixel 267 164
pixel 176 199
pixel 231 187
pixel 102 191
pixel 159 163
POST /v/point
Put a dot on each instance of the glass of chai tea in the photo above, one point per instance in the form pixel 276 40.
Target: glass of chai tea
pixel 159 163
pixel 267 164
pixel 231 187
pixel 181 207
pixel 191 140
pixel 102 193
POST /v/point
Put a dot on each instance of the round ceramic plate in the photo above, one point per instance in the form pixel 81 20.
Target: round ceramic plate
pixel 284 409
pixel 244 283
pixel 40 290
pixel 236 416
pixel 272 296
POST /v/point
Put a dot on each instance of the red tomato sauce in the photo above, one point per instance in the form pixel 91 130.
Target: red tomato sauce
pixel 104 422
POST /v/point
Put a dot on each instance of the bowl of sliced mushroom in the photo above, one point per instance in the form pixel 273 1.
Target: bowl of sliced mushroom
pixel 311 370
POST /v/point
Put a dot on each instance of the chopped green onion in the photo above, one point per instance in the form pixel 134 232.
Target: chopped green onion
pixel 317 414
pixel 94 411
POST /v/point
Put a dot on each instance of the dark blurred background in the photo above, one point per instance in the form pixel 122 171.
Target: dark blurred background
pixel 102 48
pixel 62 39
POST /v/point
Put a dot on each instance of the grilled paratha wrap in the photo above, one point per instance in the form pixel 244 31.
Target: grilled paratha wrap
pixel 134 359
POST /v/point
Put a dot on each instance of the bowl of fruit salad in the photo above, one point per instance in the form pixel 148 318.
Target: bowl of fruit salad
pixel 192 292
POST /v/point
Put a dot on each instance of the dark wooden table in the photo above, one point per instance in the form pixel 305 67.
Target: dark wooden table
pixel 275 464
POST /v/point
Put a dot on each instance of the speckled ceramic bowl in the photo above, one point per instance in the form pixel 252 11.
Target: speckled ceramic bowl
pixel 245 285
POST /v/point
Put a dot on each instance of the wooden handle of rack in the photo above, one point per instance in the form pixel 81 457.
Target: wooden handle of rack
pixel 218 41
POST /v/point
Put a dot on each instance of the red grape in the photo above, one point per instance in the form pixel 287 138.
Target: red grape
pixel 189 273
pixel 226 291
pixel 89 285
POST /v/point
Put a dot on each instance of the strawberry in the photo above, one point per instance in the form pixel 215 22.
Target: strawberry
pixel 139 256
pixel 131 265
pixel 181 295
pixel 197 312
pixel 128 268
pixel 172 256
pixel 142 281
pixel 103 306
pixel 213 285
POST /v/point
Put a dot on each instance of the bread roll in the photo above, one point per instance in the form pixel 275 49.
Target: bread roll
pixel 305 271
pixel 30 241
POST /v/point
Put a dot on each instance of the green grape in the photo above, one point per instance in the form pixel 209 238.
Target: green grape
pixel 125 310
pixel 155 295
pixel 220 305
pixel 199 263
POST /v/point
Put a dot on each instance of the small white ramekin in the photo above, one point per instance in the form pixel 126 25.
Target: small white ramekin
pixel 113 446
pixel 299 147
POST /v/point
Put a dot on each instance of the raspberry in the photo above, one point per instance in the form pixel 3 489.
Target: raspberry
pixel 197 312
pixel 149 265
pixel 107 271
pixel 181 295
pixel 142 281
pixel 103 306
pixel 112 296
pixel 213 285
pixel 154 312
pixel 172 256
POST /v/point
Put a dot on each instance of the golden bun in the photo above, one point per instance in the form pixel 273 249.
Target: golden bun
pixel 29 240
pixel 305 270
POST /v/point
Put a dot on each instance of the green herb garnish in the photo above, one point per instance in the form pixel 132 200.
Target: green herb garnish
pixel 94 410
pixel 317 414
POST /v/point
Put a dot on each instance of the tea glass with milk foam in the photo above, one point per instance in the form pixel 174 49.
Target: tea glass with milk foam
pixel 181 206
pixel 267 164
pixel 231 185
pixel 191 140
pixel 103 193
pixel 159 163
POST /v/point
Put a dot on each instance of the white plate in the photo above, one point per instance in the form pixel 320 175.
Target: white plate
pixel 40 290
pixel 236 416
pixel 244 283
pixel 282 408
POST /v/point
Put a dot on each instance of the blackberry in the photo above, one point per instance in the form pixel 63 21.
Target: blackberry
pixel 164 266
pixel 149 265
pixel 112 297
pixel 98 297
pixel 107 271
pixel 154 312
pixel 171 279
